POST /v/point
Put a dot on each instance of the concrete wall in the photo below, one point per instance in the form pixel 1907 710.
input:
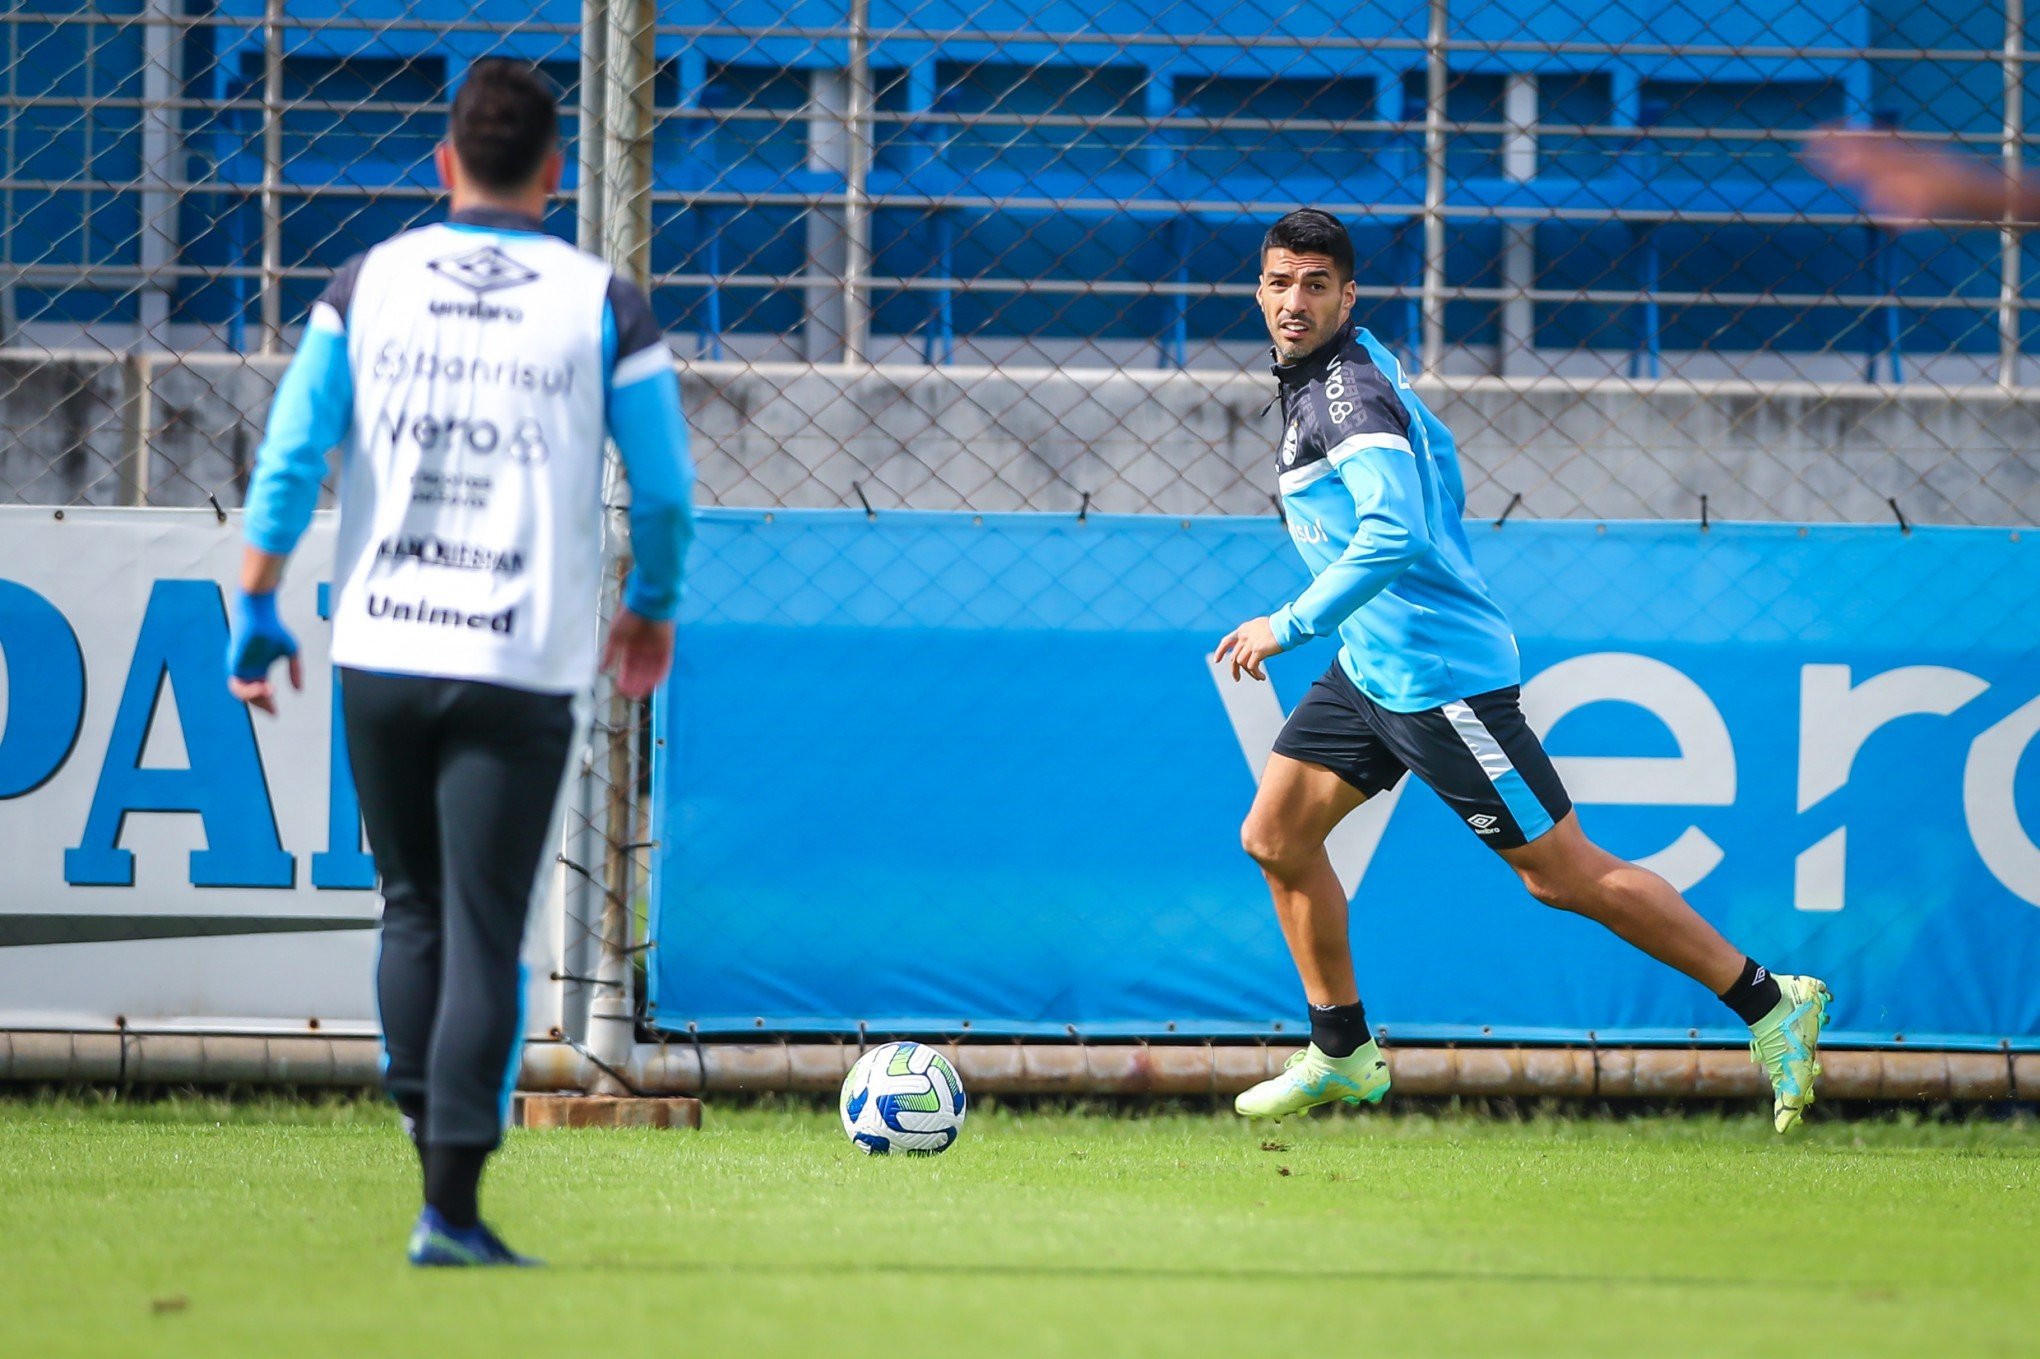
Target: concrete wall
pixel 1174 443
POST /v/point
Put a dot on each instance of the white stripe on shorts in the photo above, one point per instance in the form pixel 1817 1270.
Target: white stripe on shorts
pixel 1494 761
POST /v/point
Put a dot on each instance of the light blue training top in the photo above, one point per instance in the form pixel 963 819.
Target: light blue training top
pixel 1373 496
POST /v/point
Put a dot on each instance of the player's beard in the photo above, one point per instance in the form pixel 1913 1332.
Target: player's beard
pixel 1303 346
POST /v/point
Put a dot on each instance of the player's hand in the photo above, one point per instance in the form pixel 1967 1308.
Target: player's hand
pixel 1903 183
pixel 256 640
pixel 1247 646
pixel 639 652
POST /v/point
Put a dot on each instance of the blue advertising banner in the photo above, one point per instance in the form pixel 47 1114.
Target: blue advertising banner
pixel 974 773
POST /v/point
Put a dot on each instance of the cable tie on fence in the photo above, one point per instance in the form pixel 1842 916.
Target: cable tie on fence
pixel 1703 514
pixel 700 1057
pixel 1508 509
pixel 1892 501
pixel 869 513
pixel 214 501
pixel 604 1067
pixel 585 981
pixel 1084 510
pixel 604 888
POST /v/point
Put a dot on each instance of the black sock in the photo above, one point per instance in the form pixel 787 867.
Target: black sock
pixel 1755 993
pixel 1338 1030
pixel 453 1181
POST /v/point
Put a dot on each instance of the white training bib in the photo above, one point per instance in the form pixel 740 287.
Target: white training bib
pixel 471 522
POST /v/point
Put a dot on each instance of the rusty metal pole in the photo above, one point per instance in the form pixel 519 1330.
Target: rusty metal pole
pixel 1220 1070
pixel 611 1013
pixel 991 1067
pixel 628 61
pixel 857 204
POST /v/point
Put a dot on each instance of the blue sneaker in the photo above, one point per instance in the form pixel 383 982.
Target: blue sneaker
pixel 436 1242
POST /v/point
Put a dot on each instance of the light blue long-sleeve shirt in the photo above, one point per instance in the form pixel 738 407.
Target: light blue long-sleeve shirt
pixel 1373 496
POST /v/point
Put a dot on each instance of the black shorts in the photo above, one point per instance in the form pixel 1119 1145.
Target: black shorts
pixel 1477 753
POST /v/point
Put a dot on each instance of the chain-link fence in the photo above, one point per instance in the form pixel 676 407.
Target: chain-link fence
pixel 992 256
pixel 973 254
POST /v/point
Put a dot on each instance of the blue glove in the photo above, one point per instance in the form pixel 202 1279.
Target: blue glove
pixel 258 639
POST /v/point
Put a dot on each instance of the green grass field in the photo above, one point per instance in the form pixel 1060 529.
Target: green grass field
pixel 196 1228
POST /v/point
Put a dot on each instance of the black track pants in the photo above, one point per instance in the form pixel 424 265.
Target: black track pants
pixel 459 782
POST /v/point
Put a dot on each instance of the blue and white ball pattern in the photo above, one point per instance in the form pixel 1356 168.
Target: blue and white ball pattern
pixel 903 1097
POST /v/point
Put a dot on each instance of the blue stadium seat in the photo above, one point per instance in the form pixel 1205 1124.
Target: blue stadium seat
pixel 1129 180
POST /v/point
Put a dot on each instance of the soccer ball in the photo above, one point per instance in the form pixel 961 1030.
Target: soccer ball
pixel 902 1097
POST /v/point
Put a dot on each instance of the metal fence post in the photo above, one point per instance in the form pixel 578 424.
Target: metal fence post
pixel 2010 245
pixel 8 141
pixel 827 238
pixel 1437 82
pixel 590 127
pixel 138 416
pixel 162 164
pixel 626 64
pixel 612 1013
pixel 1518 338
pixel 857 210
pixel 627 59
pixel 271 284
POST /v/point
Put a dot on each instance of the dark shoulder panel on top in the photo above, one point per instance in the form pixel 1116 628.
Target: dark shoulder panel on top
pixel 636 328
pixel 1355 397
pixel 339 290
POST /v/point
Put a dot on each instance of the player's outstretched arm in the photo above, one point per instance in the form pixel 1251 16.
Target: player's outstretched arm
pixel 256 636
pixel 314 406
pixel 650 432
pixel 1905 183
pixel 1388 496
pixel 1392 533
pixel 1247 647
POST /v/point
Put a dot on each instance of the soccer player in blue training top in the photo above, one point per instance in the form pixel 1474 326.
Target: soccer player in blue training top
pixel 470 372
pixel 1426 679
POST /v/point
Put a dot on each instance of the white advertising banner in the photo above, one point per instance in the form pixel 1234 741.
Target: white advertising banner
pixel 169 859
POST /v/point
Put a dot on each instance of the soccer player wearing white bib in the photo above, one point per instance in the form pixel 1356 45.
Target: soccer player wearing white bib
pixel 470 373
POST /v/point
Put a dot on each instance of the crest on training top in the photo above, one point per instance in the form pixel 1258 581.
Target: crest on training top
pixel 485 270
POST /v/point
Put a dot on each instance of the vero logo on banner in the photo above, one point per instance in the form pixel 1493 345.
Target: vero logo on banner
pixel 1838 715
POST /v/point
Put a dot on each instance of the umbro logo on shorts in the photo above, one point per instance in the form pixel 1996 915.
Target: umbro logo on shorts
pixel 1483 824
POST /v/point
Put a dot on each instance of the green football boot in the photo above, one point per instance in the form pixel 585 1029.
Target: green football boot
pixel 1787 1043
pixel 1309 1078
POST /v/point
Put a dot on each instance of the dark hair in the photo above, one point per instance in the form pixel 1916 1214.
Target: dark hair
pixel 1312 231
pixel 505 122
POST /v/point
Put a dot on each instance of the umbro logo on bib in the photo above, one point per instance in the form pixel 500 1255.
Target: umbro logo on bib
pixel 485 270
